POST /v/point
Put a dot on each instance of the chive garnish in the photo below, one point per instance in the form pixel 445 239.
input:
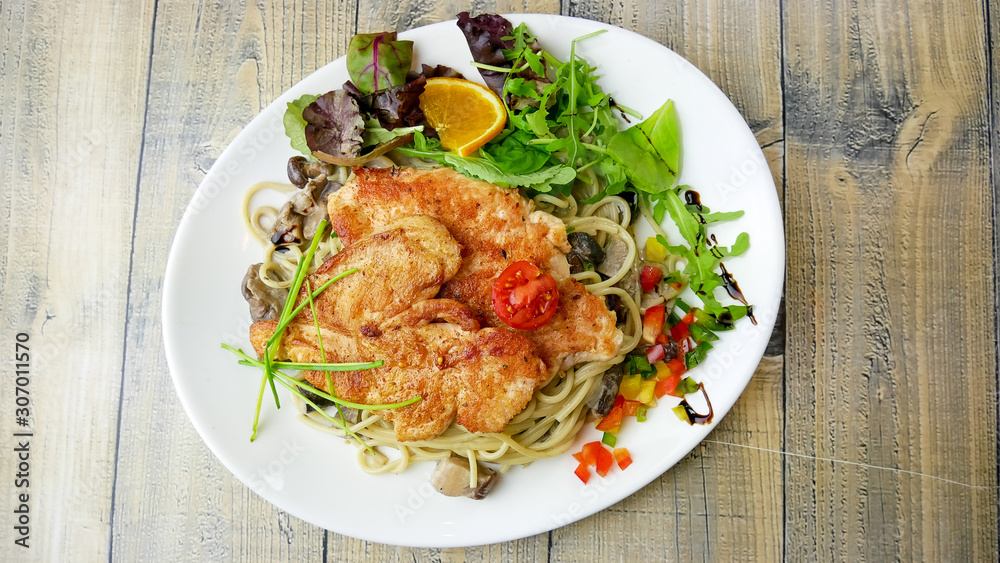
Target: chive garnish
pixel 248 361
pixel 295 312
pixel 322 355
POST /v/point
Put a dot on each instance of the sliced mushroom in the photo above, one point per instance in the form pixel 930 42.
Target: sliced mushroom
pixel 585 251
pixel 615 255
pixel 266 302
pixel 602 398
pixel 300 170
pixel 329 188
pixel 670 350
pixel 451 478
pixel 287 227
pixel 616 306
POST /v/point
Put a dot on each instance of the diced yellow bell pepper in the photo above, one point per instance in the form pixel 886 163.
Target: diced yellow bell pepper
pixel 648 392
pixel 655 252
pixel 662 371
pixel 630 386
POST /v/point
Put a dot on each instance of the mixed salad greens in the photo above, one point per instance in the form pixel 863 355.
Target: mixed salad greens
pixel 562 128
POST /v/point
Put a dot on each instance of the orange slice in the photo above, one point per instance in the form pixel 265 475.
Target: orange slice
pixel 466 115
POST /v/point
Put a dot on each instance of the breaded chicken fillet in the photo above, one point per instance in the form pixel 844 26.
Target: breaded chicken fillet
pixel 432 348
pixel 495 227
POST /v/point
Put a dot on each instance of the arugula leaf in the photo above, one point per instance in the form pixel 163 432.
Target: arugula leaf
pixel 689 227
pixel 295 125
pixel 377 61
pixel 722 216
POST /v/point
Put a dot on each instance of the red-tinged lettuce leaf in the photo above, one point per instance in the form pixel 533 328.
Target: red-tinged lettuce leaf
pixel 439 71
pixel 398 106
pixel 334 124
pixel 485 35
pixel 377 61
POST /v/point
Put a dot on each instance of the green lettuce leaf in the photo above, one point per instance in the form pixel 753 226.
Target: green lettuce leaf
pixel 295 125
pixel 650 151
pixel 375 134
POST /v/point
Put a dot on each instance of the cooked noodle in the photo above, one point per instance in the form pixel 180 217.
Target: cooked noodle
pixel 551 420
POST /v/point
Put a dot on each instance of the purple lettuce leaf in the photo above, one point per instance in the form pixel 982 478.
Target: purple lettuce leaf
pixel 394 107
pixel 334 124
pixel 484 34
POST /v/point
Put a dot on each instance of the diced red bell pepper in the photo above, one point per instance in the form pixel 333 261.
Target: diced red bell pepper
pixel 623 458
pixel 652 323
pixel 613 420
pixel 655 353
pixel 688 318
pixel 649 276
pixel 677 366
pixel 679 332
pixel 604 459
pixel 631 408
pixel 588 455
pixel 583 473
pixel 662 339
pixel 667 385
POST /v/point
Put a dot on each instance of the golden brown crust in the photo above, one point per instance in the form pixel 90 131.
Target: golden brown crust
pixel 496 227
pixel 385 312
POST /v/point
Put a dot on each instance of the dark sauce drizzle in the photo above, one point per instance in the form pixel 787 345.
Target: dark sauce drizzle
pixel 693 416
pixel 692 197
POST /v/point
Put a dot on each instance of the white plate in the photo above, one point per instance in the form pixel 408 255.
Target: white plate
pixel 313 475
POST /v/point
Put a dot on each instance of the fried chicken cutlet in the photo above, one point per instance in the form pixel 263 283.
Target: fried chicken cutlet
pixel 495 227
pixel 433 348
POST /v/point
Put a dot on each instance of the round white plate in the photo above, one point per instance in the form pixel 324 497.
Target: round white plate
pixel 313 475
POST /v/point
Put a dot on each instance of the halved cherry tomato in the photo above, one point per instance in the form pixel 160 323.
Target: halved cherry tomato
pixel 524 297
pixel 649 276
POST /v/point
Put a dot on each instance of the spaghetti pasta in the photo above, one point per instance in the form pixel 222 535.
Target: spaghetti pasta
pixel 548 425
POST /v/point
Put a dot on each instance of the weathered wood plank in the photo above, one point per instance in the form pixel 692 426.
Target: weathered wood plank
pixel 723 501
pixel 71 102
pixel 214 67
pixel 891 317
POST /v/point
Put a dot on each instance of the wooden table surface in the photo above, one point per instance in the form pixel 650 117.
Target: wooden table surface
pixel 869 431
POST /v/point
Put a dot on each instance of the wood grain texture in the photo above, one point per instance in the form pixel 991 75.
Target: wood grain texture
pixel 213 68
pixel 722 502
pixel 891 343
pixel 71 103
pixel 869 431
